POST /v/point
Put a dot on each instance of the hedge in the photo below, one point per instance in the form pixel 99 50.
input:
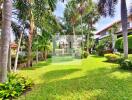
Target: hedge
pixel 119 43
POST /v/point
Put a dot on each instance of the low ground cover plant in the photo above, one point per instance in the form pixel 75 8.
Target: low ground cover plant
pixel 125 64
pixel 14 87
pixel 112 57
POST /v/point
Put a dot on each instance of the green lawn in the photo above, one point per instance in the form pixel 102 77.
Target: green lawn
pixel 94 79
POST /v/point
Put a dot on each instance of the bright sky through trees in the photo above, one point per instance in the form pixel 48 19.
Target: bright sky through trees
pixel 103 22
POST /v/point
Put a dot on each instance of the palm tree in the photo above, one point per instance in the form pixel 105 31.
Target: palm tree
pixel 90 18
pixel 52 6
pixel 71 16
pixel 107 7
pixel 5 39
pixel 124 22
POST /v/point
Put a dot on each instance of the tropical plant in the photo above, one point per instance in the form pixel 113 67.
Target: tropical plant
pixel 14 86
pixel 71 16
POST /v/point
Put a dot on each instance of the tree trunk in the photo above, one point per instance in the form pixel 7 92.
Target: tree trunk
pixel 74 33
pixel 88 42
pixel 30 47
pixel 124 21
pixel 29 62
pixel 54 45
pixel 82 34
pixel 45 54
pixel 5 38
pixel 37 56
pixel 17 53
pixel 9 60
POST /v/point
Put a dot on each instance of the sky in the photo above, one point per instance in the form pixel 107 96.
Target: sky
pixel 103 22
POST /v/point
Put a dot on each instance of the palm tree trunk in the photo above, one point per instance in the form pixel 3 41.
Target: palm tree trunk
pixel 37 52
pixel 74 40
pixel 73 33
pixel 88 43
pixel 124 27
pixel 17 53
pixel 29 63
pixel 30 42
pixel 82 34
pixel 9 60
pixel 54 45
pixel 5 38
pixel 37 55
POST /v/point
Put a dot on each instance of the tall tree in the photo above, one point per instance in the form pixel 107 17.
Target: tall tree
pixel 71 15
pixel 124 21
pixel 41 7
pixel 5 38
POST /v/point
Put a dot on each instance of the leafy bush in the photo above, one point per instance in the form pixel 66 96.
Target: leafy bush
pixel 112 57
pixel 14 86
pixel 49 55
pixel 100 50
pixel 125 64
pixel 130 57
pixel 102 45
pixel 84 54
pixel 119 43
pixel 79 54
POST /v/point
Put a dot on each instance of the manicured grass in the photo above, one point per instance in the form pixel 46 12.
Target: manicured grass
pixel 94 79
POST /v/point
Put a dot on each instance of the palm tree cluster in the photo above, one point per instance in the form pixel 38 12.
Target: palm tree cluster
pixel 87 13
pixel 80 17
pixel 23 17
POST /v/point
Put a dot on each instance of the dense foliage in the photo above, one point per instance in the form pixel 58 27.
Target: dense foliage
pixel 79 54
pixel 119 43
pixel 14 87
pixel 125 64
pixel 103 44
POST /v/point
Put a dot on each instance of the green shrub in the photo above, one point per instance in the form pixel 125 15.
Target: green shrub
pixel 119 43
pixel 130 57
pixel 103 43
pixel 84 54
pixel 79 54
pixel 125 64
pixel 14 86
pixel 49 55
pixel 112 57
pixel 100 50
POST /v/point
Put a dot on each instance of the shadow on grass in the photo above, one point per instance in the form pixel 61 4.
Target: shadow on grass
pixel 39 65
pixel 58 73
pixel 95 85
pixel 95 56
pixel 106 61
